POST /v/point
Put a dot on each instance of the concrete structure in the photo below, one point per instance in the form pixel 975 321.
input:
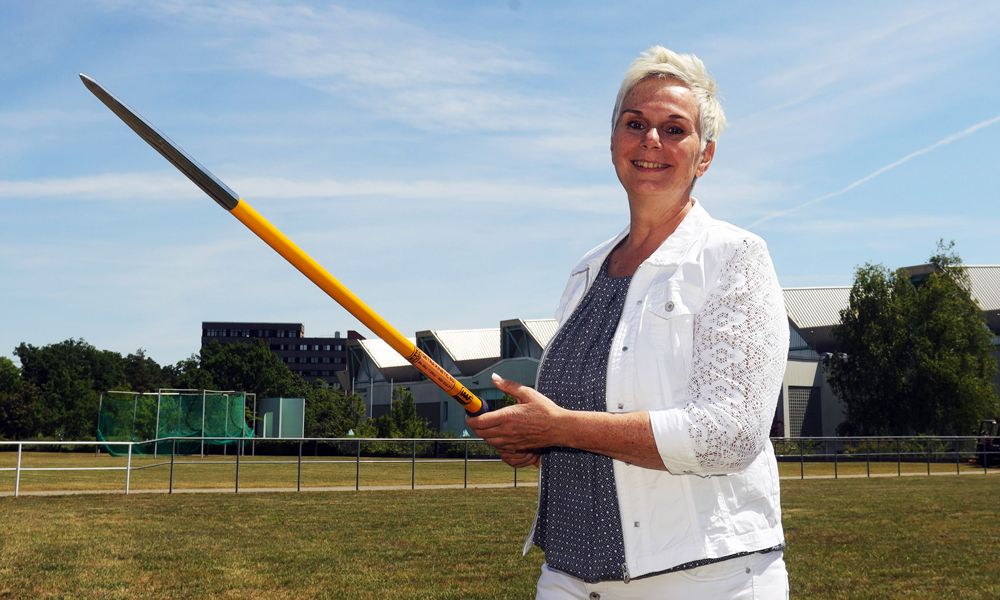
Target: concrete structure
pixel 310 357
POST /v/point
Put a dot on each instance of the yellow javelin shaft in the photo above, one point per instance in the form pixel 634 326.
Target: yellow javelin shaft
pixel 227 199
pixel 354 305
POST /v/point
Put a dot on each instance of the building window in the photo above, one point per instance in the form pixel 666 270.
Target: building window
pixel 303 346
pixel 805 417
pixel 340 347
pixel 326 347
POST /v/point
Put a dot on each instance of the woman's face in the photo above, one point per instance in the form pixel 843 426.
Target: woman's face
pixel 656 146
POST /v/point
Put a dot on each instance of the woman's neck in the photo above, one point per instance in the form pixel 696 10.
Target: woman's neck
pixel 650 225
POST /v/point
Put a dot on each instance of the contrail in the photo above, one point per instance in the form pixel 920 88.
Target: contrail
pixel 858 183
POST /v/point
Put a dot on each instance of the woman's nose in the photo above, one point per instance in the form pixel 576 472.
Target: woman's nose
pixel 651 139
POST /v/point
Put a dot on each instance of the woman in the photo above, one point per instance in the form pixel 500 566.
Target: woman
pixel 656 396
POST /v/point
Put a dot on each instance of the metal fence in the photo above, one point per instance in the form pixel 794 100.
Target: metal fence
pixel 833 454
pixel 271 451
pixel 878 452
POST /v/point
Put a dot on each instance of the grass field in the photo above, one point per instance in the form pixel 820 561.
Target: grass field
pixel 910 537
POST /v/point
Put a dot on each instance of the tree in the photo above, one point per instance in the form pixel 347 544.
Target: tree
pixel 66 380
pixel 17 403
pixel 331 413
pixel 144 374
pixel 402 420
pixel 915 354
pixel 250 367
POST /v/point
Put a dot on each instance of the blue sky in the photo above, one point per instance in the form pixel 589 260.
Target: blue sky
pixel 448 161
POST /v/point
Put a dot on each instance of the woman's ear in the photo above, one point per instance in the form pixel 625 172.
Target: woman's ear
pixel 706 159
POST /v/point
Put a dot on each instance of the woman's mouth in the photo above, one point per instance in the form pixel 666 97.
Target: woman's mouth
pixel 642 164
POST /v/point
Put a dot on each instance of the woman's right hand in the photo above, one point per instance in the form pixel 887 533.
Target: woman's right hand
pixel 520 459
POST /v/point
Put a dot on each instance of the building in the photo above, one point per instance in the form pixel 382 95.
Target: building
pixel 471 355
pixel 311 357
pixel 808 406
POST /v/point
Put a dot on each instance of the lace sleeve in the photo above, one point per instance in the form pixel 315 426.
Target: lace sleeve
pixel 740 351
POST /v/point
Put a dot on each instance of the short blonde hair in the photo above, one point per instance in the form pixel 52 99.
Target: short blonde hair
pixel 658 61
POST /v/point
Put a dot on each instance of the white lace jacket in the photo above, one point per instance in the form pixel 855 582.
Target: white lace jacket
pixel 701 345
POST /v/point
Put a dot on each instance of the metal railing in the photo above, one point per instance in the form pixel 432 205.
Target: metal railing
pixel 926 451
pixel 836 451
pixel 381 451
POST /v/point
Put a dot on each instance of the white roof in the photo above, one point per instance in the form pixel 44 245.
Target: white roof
pixel 816 306
pixel 382 353
pixel 541 329
pixel 469 344
pixel 985 281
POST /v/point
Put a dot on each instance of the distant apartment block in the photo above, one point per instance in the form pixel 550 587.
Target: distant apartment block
pixel 311 357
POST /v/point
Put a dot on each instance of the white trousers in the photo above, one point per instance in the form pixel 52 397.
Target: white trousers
pixel 752 577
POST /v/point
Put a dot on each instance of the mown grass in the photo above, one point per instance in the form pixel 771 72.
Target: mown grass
pixel 911 537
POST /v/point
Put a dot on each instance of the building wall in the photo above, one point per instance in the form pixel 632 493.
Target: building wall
pixel 808 373
pixel 311 357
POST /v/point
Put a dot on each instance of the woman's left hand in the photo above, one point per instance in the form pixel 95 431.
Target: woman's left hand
pixel 518 429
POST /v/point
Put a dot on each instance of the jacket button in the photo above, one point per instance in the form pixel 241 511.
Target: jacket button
pixel 669 306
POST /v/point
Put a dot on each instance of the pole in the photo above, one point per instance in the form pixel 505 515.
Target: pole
pixel 465 481
pixel 357 469
pixel 413 467
pixel 156 430
pixel 238 467
pixel 203 423
pixel 17 472
pixel 298 480
pixel 128 469
pixel 173 451
pixel 100 405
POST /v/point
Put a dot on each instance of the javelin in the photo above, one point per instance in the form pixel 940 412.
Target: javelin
pixel 239 208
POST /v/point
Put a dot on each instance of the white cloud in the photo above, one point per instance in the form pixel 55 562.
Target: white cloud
pixel 164 186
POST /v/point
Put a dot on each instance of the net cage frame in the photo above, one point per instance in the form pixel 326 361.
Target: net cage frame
pixel 197 424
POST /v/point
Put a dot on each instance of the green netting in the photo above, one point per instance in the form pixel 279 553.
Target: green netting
pixel 135 417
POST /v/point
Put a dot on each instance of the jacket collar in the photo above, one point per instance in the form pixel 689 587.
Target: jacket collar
pixel 670 252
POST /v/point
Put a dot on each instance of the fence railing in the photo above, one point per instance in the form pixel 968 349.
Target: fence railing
pixel 269 451
pixel 930 452
pixel 844 455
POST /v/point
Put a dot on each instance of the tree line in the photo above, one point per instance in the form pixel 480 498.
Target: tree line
pixel 55 393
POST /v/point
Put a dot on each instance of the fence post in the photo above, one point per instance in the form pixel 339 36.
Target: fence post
pixel 357 469
pixel 836 460
pixel 868 462
pixel 958 469
pixel 515 477
pixel 237 465
pixel 173 451
pixel 465 482
pixel 17 472
pixel 128 469
pixel 413 467
pixel 928 458
pixel 899 460
pixel 298 481
pixel 802 461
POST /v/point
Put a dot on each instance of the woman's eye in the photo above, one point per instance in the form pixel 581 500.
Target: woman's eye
pixel 674 130
pixel 637 125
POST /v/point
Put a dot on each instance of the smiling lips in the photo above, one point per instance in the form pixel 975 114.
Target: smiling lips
pixel 642 164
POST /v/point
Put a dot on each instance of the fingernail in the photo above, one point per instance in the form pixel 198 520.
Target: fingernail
pixel 496 378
